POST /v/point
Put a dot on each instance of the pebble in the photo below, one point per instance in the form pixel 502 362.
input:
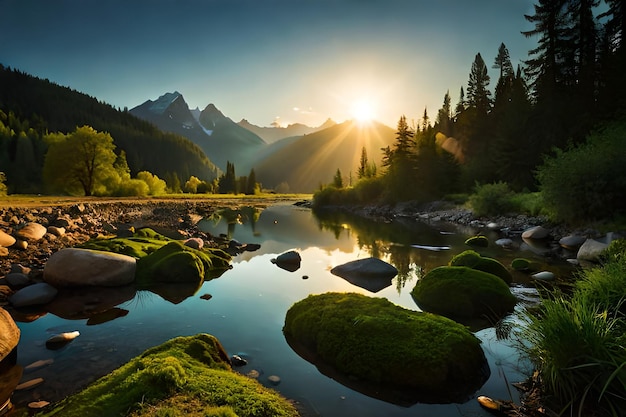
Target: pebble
pixel 274 379
pixel 37 405
pixel 32 383
pixel 38 364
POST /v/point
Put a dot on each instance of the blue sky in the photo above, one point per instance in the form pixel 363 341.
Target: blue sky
pixel 265 60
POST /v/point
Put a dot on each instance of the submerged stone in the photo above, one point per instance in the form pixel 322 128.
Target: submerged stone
pixel 386 351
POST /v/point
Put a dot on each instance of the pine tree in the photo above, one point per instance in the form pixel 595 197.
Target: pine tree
pixel 478 94
pixel 444 116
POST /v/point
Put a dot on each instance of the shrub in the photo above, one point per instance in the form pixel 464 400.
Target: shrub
pixel 492 199
pixel 3 186
pixel 587 182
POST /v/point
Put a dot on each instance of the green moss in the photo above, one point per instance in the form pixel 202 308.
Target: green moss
pixel 161 259
pixel 166 380
pixel 520 264
pixel 463 292
pixel 374 340
pixel 474 260
pixel 478 241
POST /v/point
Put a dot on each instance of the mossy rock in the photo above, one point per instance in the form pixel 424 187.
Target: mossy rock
pixel 520 264
pixel 478 241
pixel 474 260
pixel 383 350
pixel 161 259
pixel 463 292
pixel 185 376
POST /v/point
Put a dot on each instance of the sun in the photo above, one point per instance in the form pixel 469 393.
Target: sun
pixel 363 111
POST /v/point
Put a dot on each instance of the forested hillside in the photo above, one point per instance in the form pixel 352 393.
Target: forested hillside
pixel 556 125
pixel 31 107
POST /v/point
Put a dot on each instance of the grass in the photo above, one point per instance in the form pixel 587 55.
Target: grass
pixel 578 343
pixel 26 200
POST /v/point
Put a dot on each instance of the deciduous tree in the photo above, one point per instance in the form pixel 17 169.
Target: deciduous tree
pixel 80 161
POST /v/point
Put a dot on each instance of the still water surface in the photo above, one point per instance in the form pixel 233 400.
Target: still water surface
pixel 247 309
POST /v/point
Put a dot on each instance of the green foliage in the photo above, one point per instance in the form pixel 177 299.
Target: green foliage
pixel 358 336
pixel 156 186
pixel 578 349
pixel 32 107
pixel 491 199
pixel 588 181
pixel 578 343
pixel 188 376
pixel 463 292
pixel 80 161
pixel 3 186
pixel 338 179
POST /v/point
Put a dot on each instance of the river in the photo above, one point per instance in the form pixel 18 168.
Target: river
pixel 245 309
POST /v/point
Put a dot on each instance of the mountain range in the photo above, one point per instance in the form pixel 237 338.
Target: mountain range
pixel 167 138
pixel 298 158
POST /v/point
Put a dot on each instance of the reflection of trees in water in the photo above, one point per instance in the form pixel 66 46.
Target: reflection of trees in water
pixel 393 239
pixel 247 215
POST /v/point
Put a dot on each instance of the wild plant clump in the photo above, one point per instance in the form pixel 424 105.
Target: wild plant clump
pixel 578 343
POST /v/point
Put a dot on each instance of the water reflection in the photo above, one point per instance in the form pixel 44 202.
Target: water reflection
pixel 248 305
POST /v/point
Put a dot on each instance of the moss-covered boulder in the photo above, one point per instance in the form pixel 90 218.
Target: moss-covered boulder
pixel 186 376
pixel 461 292
pixel 161 259
pixel 474 260
pixel 477 241
pixel 386 351
pixel 520 264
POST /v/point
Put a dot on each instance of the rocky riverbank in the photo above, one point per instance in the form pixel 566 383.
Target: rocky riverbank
pixel 562 241
pixel 72 224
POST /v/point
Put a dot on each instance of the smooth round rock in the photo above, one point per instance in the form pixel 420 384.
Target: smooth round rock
pixel 78 267
pixel 36 294
pixel 9 334
pixel 6 239
pixel 31 232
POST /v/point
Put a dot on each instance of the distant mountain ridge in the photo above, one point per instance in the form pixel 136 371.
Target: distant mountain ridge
pixel 220 138
pixel 275 133
pixel 304 163
pixel 49 107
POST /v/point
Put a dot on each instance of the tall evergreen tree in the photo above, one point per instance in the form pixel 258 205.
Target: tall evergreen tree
pixel 443 123
pixel 478 94
pixel 504 86
pixel 228 180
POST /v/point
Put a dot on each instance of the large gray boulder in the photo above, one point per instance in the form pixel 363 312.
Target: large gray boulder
pixel 36 294
pixel 591 250
pixel 371 274
pixel 9 334
pixel 79 267
pixel 31 232
pixel 536 232
pixel 6 239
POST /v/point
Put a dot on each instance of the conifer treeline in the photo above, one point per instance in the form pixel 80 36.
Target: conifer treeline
pixel 571 81
pixel 30 108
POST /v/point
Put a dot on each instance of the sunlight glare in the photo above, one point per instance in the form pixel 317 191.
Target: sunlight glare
pixel 363 111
